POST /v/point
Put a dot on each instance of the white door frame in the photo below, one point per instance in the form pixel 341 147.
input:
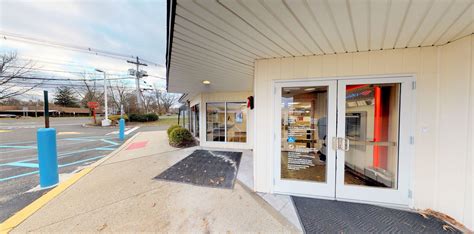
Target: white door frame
pixel 300 187
pixel 402 197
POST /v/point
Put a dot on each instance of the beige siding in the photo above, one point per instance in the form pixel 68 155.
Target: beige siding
pixel 442 170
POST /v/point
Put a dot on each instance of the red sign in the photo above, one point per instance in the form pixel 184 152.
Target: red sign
pixel 92 105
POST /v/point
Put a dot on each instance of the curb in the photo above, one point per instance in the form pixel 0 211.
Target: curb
pixel 30 209
pixel 100 127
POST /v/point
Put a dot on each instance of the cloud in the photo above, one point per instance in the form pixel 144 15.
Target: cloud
pixel 128 27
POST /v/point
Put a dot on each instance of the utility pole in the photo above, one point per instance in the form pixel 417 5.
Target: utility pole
pixel 138 75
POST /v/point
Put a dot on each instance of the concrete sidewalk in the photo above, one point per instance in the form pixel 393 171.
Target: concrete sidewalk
pixel 120 195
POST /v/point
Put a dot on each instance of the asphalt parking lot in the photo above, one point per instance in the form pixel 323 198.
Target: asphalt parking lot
pixel 78 146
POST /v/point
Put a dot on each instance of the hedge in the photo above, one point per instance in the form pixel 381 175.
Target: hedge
pixel 181 137
pixel 171 128
pixel 135 117
pixel 117 117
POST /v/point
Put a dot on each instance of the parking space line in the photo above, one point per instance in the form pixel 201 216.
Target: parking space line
pixel 81 161
pixel 110 142
pixel 105 148
pixel 131 130
pixel 18 176
pixel 18 146
pixel 22 164
pixel 61 165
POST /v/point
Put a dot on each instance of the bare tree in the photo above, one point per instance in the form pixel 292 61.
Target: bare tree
pixel 119 93
pixel 90 91
pixel 12 72
pixel 167 100
pixel 149 102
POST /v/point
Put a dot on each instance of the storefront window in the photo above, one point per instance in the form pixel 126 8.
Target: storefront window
pixel 215 117
pixel 226 122
pixel 195 120
pixel 236 122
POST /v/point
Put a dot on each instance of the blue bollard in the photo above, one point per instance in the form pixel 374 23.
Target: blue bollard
pixel 47 157
pixel 122 129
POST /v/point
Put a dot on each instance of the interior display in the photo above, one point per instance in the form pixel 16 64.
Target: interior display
pixel 215 121
pixel 236 122
pixel 372 120
pixel 226 121
pixel 303 133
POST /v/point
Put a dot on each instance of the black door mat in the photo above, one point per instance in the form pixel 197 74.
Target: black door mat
pixel 216 169
pixel 325 216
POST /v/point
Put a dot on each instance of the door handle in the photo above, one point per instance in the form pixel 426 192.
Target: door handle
pixel 340 143
pixel 346 144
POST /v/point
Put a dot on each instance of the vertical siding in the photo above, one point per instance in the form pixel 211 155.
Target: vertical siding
pixel 454 74
pixel 442 178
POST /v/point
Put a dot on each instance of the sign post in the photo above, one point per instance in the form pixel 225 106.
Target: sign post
pixel 93 106
pixel 46 109
pixel 47 151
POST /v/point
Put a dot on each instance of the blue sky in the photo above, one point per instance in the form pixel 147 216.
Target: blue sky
pixel 134 27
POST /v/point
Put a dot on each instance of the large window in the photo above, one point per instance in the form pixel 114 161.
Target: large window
pixel 195 120
pixel 226 122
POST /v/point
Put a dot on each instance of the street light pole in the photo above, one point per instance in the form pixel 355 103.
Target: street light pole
pixel 106 121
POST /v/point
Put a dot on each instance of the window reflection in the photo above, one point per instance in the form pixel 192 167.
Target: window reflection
pixel 372 127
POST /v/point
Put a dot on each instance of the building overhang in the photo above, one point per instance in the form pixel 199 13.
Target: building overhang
pixel 219 40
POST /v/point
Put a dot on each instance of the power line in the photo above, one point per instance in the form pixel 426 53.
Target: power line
pixel 55 62
pixel 71 72
pixel 89 50
pixel 54 85
pixel 65 79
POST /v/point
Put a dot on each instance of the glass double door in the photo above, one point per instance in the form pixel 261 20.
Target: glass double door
pixel 340 139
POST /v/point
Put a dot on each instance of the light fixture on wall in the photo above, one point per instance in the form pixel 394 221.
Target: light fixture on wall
pixel 206 82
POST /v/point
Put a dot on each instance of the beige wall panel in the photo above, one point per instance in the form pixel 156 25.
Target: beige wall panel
pixel 425 137
pixel 344 64
pixel 426 132
pixel 393 61
pixel 287 68
pixel 330 65
pixel 315 66
pixel 469 199
pixel 377 62
pixel 453 121
pixel 262 166
pixel 429 60
pixel 301 67
pixel 411 60
pixel 360 63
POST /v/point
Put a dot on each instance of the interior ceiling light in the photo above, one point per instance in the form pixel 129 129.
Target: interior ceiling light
pixel 309 89
pixel 206 82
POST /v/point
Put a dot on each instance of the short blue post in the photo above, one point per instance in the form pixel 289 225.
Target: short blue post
pixel 47 157
pixel 122 129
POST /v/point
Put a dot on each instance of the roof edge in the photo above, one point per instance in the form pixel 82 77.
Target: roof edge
pixel 170 13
